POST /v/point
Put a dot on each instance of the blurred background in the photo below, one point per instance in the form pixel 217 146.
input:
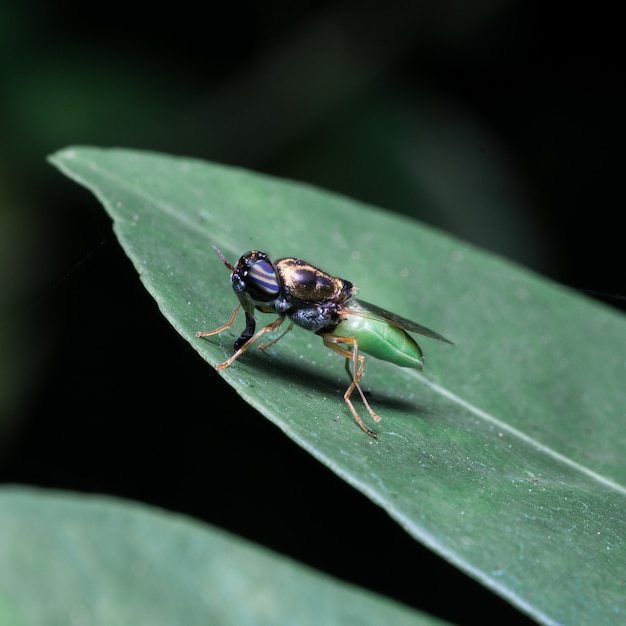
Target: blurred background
pixel 500 121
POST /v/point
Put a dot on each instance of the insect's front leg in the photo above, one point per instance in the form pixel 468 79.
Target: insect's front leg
pixel 246 339
pixel 229 323
pixel 358 365
pixel 247 333
pixel 247 342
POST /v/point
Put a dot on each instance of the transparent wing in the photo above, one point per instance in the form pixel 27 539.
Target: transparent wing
pixel 367 309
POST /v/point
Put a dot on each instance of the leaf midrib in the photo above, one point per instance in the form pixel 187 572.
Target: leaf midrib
pixel 547 450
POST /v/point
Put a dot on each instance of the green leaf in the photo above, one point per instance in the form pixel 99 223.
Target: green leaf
pixel 82 560
pixel 506 456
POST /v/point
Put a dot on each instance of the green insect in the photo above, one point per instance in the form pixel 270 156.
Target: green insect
pixel 323 304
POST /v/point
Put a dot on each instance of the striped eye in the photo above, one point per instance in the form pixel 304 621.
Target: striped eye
pixel 261 279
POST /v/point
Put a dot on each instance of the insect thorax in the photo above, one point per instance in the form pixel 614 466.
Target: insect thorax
pixel 307 283
pixel 322 317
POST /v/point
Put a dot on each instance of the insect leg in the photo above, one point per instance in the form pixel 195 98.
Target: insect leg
pixel 266 329
pixel 356 377
pixel 271 343
pixel 358 365
pixel 229 323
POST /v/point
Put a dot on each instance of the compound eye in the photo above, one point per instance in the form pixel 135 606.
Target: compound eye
pixel 261 281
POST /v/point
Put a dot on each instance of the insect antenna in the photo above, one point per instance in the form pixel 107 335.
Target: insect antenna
pixel 225 261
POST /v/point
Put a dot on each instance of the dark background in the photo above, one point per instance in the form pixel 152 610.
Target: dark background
pixel 501 122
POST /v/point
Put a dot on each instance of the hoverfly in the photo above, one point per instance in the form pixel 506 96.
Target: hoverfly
pixel 323 304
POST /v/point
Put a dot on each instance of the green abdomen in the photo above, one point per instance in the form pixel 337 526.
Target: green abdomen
pixel 382 340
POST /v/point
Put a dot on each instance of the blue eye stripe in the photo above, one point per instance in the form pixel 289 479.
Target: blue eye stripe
pixel 264 277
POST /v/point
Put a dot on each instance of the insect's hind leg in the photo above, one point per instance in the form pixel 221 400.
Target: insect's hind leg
pixel 358 365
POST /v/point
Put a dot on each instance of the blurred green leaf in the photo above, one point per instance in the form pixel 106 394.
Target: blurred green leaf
pixel 506 457
pixel 67 559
